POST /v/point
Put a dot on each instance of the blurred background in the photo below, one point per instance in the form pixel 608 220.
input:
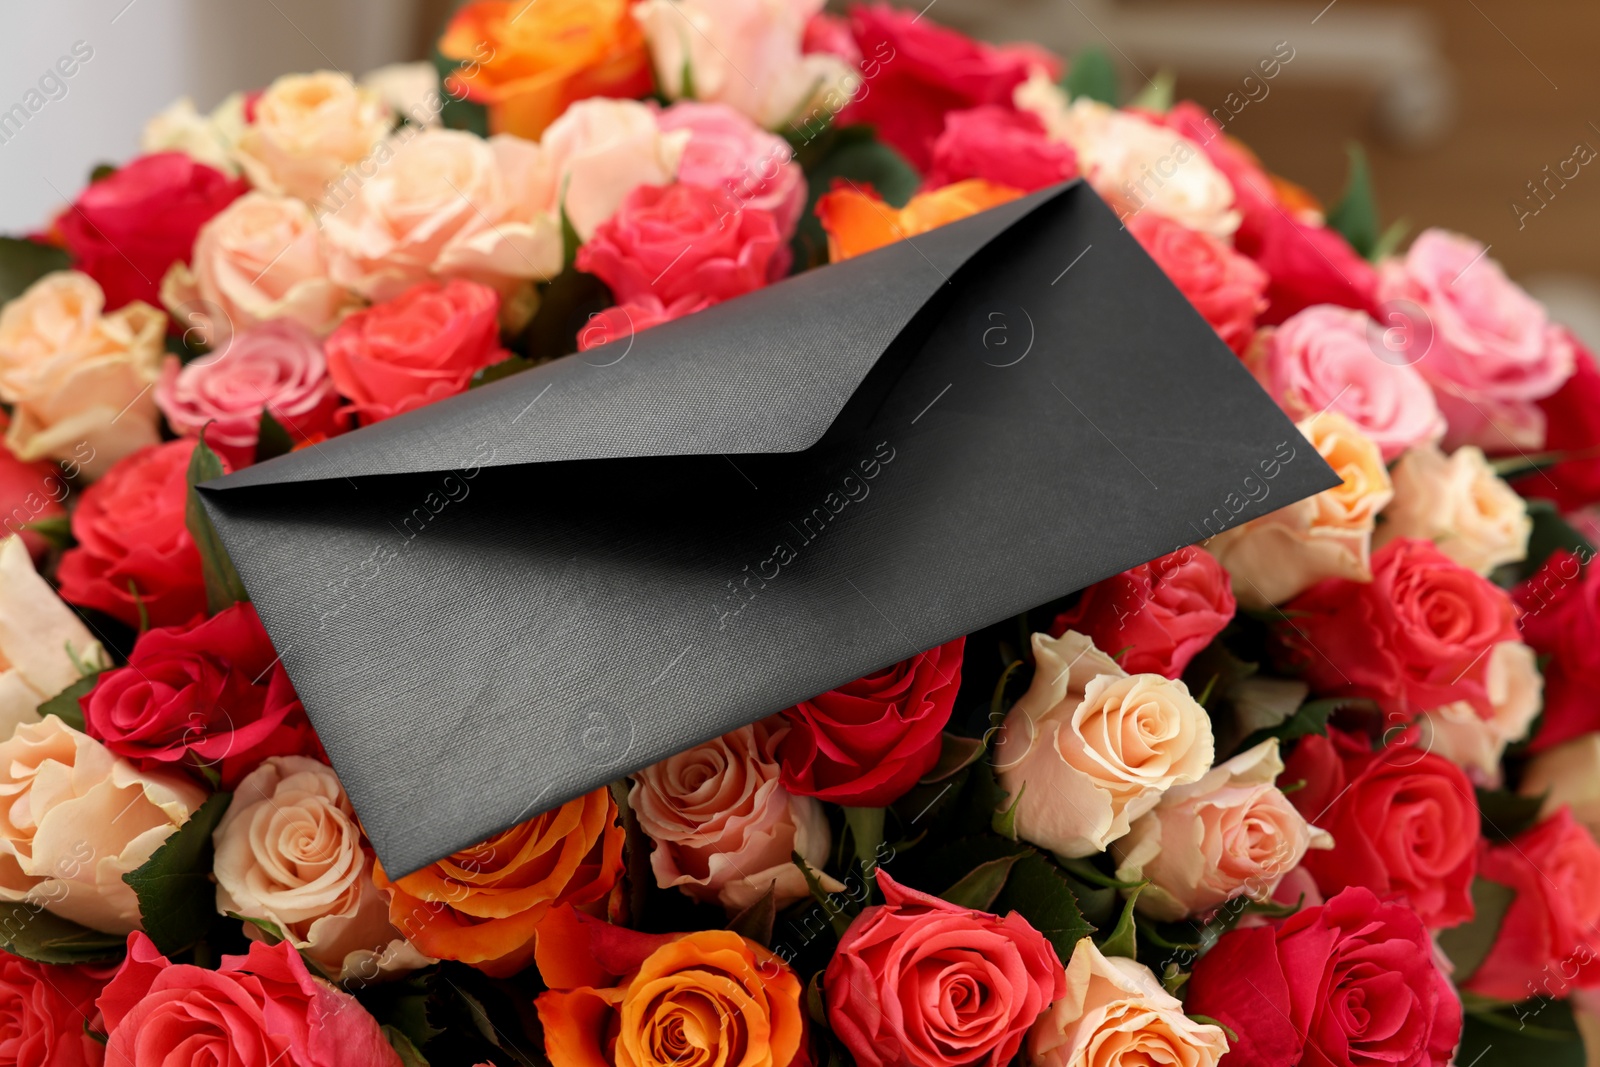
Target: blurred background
pixel 1475 114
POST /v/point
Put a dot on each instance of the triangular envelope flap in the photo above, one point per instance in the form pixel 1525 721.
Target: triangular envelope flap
pixel 765 372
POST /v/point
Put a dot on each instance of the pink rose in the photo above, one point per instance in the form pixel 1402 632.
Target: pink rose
pixel 278 366
pixel 1001 145
pixel 1493 352
pixel 46 1008
pixel 1327 359
pixel 747 165
pixel 677 241
pixel 261 1008
pixel 920 981
pixel 617 324
pixel 1225 287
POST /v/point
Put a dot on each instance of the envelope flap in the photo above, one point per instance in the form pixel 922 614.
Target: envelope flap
pixel 765 372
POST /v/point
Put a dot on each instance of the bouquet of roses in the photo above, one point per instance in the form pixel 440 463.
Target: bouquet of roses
pixel 1322 789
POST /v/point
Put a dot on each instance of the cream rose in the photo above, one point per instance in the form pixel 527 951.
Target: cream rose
pixel 1568 775
pixel 289 851
pixel 307 129
pixel 410 90
pixel 601 150
pixel 1232 833
pixel 1516 693
pixel 1094 746
pixel 1278 556
pixel 79 380
pixel 1116 1014
pixel 1460 504
pixel 39 636
pixel 260 258
pixel 207 139
pixel 724 827
pixel 74 819
pixel 444 203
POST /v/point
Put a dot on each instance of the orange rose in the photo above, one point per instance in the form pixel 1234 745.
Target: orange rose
pixel 857 222
pixel 484 905
pixel 526 62
pixel 706 997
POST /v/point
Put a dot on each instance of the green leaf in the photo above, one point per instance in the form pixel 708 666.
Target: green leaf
pixel 570 241
pixel 1005 820
pixel 177 899
pixel 272 439
pixel 839 920
pixel 1157 94
pixel 1040 893
pixel 1468 944
pixel 64 705
pixel 1505 815
pixel 458 114
pixel 101 171
pixel 755 922
pixel 410 1055
pixel 1311 718
pixel 1550 532
pixel 56 530
pixel 1123 940
pixel 979 887
pixel 223 587
pixel 566 303
pixel 956 753
pixel 266 926
pixel 1537 1031
pixel 1206 1020
pixel 24 262
pixel 1092 74
pixel 27 930
pixel 1390 240
pixel 855 157
pixel 1355 216
pixel 866 833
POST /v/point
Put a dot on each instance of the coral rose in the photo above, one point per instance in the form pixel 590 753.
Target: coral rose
pixel 747 165
pixel 857 223
pixel 30 493
pixel 306 129
pixel 1095 746
pixel 1459 734
pixel 277 366
pixel 1346 983
pixel 1561 621
pixel 1329 535
pixel 708 997
pixel 917 980
pixel 134 555
pixel 126 229
pixel 484 905
pixel 1115 1014
pixel 1460 504
pixel 1000 145
pixel 76 819
pixel 1232 833
pixel 47 1009
pixel 78 380
pixel 260 1008
pixel 42 641
pixel 1157 615
pixel 527 65
pixel 1225 287
pixel 289 852
pixel 422 346
pixel 1404 822
pixel 723 825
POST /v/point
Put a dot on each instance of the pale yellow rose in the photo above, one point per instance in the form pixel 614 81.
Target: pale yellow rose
pixel 307 129
pixel 1280 555
pixel 1567 774
pixel 79 381
pixel 1042 97
pixel 600 150
pixel 1116 1014
pixel 39 636
pixel 410 90
pixel 259 258
pixel 1232 833
pixel 1089 747
pixel 207 139
pixel 289 851
pixel 74 819
pixel 1516 693
pixel 1460 504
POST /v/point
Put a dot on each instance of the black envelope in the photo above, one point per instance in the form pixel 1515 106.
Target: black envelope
pixel 503 600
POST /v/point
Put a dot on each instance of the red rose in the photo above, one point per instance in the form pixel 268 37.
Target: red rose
pixel 1413 639
pixel 864 744
pixel 211 694
pixel 127 229
pixel 1347 983
pixel 918 71
pixel 133 545
pixel 919 981
pixel 1404 822
pixel 1002 145
pixel 263 1008
pixel 1225 287
pixel 422 346
pixel 1572 425
pixel 46 1006
pixel 1549 940
pixel 679 243
pixel 29 492
pixel 1161 612
pixel 1561 620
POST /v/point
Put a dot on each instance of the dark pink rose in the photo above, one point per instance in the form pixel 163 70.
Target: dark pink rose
pixel 1002 145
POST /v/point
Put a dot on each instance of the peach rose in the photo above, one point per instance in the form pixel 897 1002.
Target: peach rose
pixel 79 380
pixel 743 53
pixel 1568 775
pixel 1516 693
pixel 74 819
pixel 1460 504
pixel 42 640
pixel 444 203
pixel 306 129
pixel 1282 554
pixel 601 150
pixel 857 223
pixel 260 258
pixel 1116 1014
pixel 289 851
pixel 1095 746
pixel 484 905
pixel 723 825
pixel 1232 833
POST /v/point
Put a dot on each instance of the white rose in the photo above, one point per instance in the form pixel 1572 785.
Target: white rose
pixel 39 635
